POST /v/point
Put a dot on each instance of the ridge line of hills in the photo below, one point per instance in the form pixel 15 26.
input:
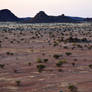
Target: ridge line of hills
pixel 7 16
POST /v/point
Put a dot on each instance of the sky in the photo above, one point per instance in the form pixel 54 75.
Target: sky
pixel 29 8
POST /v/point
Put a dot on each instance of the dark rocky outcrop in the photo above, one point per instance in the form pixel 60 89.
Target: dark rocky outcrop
pixel 7 15
pixel 42 17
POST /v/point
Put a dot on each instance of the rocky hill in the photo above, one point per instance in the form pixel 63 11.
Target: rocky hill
pixel 7 15
pixel 42 17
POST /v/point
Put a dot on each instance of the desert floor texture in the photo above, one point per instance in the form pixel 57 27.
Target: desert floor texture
pixel 46 57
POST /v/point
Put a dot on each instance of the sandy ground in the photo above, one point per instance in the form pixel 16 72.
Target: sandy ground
pixel 23 45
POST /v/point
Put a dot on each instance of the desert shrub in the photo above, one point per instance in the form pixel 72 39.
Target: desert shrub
pixel 11 41
pixel 18 82
pixel 6 37
pixel 42 60
pixel 73 88
pixel 90 66
pixel 39 60
pixel 2 66
pixel 84 40
pixel 43 54
pixel 60 70
pixel 63 61
pixel 71 39
pixel 29 63
pixel 0 45
pixel 0 41
pixel 79 46
pixel 60 91
pixel 40 67
pixel 9 53
pixel 68 53
pixel 55 44
pixel 73 64
pixel 75 59
pixel 59 40
pixel 15 71
pixel 56 56
pixel 65 47
pixel 90 47
pixel 60 63
pixel 45 60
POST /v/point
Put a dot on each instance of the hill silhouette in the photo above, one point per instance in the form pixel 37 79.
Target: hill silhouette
pixel 42 17
pixel 7 15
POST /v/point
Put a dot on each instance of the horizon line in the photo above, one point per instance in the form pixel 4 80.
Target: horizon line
pixel 44 12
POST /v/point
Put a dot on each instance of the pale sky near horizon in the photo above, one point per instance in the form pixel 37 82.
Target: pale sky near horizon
pixel 28 8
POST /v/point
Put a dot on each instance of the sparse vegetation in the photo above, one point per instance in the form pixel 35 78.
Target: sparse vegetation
pixel 56 56
pixel 2 66
pixel 73 88
pixel 18 82
pixel 45 60
pixel 29 63
pixel 45 54
pixel 9 53
pixel 60 63
pixel 39 60
pixel 73 64
pixel 40 67
pixel 90 66
pixel 68 53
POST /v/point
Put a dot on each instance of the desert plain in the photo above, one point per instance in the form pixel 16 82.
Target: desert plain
pixel 46 57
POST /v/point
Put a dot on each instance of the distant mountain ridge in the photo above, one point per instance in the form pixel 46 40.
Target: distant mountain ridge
pixel 88 19
pixel 26 19
pixel 41 17
pixel 77 18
